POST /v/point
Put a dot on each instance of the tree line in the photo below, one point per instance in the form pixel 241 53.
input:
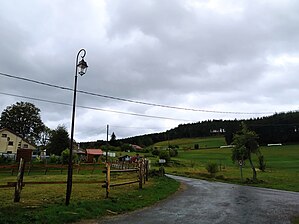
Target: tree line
pixel 277 128
pixel 24 119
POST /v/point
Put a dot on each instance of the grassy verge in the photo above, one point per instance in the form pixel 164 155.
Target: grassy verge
pixel 45 203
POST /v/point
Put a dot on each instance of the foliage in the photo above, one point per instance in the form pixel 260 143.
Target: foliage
pixel 155 152
pixel 54 159
pixel 212 167
pixel 59 140
pixel 44 138
pixel 196 146
pixel 5 160
pixel 24 119
pixel 126 147
pixel 164 154
pixel 113 141
pixel 173 152
pixel 262 163
pixel 65 154
pixel 245 143
pixel 111 148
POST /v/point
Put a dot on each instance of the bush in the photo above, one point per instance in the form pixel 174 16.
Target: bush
pixel 173 152
pixel 65 156
pixel 164 155
pixel 155 152
pixel 196 146
pixel 262 163
pixel 212 168
pixel 54 159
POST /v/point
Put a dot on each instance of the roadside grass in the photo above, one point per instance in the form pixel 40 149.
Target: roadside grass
pixel 282 166
pixel 45 203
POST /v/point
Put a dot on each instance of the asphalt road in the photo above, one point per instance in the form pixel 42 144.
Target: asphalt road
pixel 212 202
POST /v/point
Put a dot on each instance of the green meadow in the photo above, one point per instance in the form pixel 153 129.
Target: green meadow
pixel 282 163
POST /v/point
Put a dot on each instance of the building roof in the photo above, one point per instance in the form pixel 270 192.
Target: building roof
pixel 136 147
pixel 94 152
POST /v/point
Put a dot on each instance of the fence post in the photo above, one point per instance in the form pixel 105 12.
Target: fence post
pixel 146 169
pixel 107 179
pixel 19 183
pixel 143 170
pixel 140 174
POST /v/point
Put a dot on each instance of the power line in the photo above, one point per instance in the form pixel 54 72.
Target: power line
pixel 129 100
pixel 95 108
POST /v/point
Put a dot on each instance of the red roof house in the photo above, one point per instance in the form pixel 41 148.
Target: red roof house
pixel 93 153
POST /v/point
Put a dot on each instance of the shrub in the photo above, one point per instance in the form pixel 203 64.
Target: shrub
pixel 65 156
pixel 173 152
pixel 212 168
pixel 155 152
pixel 54 159
pixel 262 163
pixel 196 146
pixel 164 155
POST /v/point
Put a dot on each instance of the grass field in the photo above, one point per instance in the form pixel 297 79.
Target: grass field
pixel 45 203
pixel 188 143
pixel 282 171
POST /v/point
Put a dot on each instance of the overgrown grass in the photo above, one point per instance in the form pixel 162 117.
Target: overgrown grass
pixel 45 203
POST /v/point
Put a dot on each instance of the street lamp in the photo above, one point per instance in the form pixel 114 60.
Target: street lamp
pixel 81 68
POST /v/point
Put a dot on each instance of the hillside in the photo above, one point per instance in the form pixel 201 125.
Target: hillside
pixel 277 128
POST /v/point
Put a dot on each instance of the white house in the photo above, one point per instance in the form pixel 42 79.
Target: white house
pixel 11 142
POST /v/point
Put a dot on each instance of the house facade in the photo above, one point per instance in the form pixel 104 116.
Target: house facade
pixel 11 142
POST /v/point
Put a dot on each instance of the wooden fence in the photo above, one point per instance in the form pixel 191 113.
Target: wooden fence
pixel 141 167
pixel 46 168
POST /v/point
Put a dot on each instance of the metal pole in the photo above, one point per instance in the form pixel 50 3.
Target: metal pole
pixel 70 162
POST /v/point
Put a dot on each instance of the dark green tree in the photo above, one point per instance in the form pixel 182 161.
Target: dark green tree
pixel 59 140
pixel 24 119
pixel 245 143
pixel 113 140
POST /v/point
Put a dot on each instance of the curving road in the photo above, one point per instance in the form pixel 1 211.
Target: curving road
pixel 213 202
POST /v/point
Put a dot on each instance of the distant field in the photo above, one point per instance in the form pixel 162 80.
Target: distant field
pixel 282 171
pixel 188 143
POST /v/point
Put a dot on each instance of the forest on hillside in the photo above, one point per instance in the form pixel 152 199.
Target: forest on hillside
pixel 277 128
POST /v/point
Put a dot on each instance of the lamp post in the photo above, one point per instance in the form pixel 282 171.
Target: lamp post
pixel 81 68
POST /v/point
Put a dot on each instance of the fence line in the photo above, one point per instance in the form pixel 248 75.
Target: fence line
pixel 142 169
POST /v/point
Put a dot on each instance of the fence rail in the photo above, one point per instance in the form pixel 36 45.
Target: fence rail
pixel 46 168
pixel 142 169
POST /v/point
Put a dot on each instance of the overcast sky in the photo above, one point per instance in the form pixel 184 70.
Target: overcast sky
pixel 216 56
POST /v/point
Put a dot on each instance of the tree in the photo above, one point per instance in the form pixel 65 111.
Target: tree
pixel 113 139
pixel 59 140
pixel 44 138
pixel 24 119
pixel 163 154
pixel 245 143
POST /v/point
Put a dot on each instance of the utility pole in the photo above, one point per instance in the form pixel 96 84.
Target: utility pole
pixel 107 143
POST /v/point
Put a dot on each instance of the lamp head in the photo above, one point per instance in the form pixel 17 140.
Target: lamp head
pixel 82 67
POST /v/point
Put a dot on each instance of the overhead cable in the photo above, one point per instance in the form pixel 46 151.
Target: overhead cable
pixel 130 100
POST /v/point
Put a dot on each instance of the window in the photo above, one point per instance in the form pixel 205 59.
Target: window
pixel 4 135
pixel 10 143
pixel 25 146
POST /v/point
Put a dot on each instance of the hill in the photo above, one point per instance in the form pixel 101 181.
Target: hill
pixel 277 128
